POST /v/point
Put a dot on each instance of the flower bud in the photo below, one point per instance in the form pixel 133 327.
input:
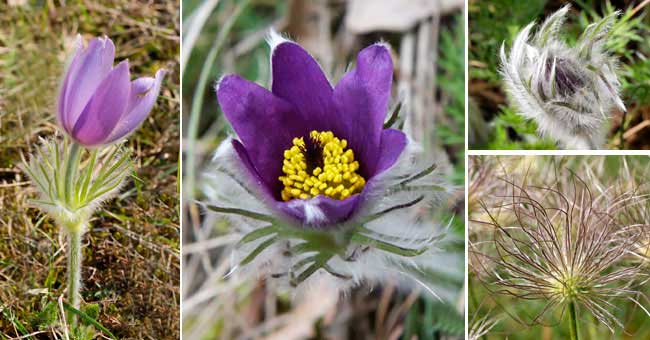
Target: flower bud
pixel 568 91
pixel 98 103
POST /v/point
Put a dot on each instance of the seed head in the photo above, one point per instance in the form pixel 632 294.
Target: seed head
pixel 564 245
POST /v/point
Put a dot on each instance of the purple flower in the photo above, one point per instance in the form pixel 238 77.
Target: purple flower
pixel 98 103
pixel 314 150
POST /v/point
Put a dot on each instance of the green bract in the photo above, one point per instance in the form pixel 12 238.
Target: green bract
pixel 72 182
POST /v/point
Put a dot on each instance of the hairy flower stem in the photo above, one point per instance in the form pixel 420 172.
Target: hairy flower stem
pixel 573 321
pixel 70 169
pixel 74 271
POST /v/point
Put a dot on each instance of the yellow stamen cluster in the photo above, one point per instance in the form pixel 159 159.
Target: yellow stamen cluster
pixel 336 179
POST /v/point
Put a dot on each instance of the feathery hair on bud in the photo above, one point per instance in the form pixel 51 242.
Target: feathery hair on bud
pixel 71 188
pixel 72 182
pixel 566 246
pixel 568 91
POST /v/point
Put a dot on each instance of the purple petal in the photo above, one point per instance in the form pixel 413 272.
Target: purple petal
pixel 392 144
pixel 105 108
pixel 298 78
pixel 252 172
pixel 264 123
pixel 142 97
pixel 85 74
pixel 361 99
pixel 61 116
pixel 320 211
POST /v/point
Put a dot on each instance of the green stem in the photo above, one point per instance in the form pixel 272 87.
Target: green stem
pixel 573 321
pixel 74 272
pixel 197 100
pixel 622 131
pixel 70 170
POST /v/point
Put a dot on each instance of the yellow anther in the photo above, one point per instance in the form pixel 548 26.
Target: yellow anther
pixel 335 176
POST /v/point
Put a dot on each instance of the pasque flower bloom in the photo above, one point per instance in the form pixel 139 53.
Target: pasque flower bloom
pixel 294 130
pixel 316 180
pixel 98 103
pixel 569 91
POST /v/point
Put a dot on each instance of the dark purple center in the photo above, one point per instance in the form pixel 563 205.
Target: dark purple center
pixel 313 151
pixel 567 81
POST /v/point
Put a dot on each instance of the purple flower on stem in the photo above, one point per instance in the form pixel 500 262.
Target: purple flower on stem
pixel 98 103
pixel 319 184
pixel 314 149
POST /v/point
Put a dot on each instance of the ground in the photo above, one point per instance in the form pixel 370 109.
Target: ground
pixel 131 253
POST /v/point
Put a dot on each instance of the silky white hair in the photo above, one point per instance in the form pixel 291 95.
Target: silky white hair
pixel 226 184
pixel 568 91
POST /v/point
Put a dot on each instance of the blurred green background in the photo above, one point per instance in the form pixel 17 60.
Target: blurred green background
pixel 226 36
pixel 493 124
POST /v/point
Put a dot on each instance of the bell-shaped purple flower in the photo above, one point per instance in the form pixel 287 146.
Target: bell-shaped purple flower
pixel 98 103
pixel 303 102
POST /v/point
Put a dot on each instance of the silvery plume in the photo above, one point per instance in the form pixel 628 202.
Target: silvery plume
pixel 569 91
pixel 568 248
pixel 481 326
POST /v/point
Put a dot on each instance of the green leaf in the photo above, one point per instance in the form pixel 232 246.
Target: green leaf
pixel 258 233
pixel 46 317
pixel 87 319
pixel 258 250
pixel 387 247
pixel 16 323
